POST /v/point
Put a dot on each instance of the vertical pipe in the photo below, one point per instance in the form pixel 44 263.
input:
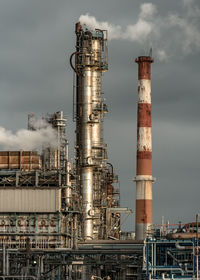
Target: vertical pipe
pixel 152 259
pixel 194 258
pixel 70 272
pixel 75 232
pixel 84 274
pixel 144 149
pixel 197 247
pixel 41 265
pixel 87 182
pixel 4 259
pixel 97 133
pixel 7 263
pixel 147 259
pixel 68 189
pixel 86 153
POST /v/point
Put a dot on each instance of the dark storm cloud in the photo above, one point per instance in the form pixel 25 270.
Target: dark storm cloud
pixel 36 40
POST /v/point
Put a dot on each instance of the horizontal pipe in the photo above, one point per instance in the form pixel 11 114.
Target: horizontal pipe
pixel 18 277
pixel 100 241
pixel 33 234
pixel 181 235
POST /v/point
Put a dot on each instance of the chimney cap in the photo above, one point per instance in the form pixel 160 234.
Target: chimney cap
pixel 144 59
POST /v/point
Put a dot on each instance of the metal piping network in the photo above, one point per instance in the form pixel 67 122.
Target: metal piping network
pixel 144 177
pixel 89 65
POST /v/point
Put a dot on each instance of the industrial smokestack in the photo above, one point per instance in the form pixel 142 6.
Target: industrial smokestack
pixel 144 177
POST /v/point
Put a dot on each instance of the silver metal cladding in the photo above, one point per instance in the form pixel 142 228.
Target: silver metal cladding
pixel 87 191
pixel 88 68
pixel 94 176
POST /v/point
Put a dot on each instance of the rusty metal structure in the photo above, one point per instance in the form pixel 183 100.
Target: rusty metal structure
pixel 21 160
pixel 60 219
pixel 144 177
pixel 49 204
pixel 36 195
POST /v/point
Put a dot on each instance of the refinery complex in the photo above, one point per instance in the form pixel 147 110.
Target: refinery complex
pixel 61 219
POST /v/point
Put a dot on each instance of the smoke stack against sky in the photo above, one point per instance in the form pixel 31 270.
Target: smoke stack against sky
pixel 144 177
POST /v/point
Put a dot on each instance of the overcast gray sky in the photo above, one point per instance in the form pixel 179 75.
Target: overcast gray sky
pixel 36 40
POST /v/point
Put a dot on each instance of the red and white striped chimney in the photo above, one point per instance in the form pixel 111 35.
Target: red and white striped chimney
pixel 144 150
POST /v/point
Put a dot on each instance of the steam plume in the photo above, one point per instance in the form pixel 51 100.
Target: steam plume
pixel 170 35
pixel 136 32
pixel 43 136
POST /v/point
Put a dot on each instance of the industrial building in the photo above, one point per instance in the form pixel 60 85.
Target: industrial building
pixel 61 219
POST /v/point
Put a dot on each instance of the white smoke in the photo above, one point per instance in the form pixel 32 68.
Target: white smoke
pixel 91 22
pixel 161 54
pixel 188 2
pixel 189 33
pixel 23 139
pixel 147 10
pixel 135 32
pixel 36 123
pixel 173 34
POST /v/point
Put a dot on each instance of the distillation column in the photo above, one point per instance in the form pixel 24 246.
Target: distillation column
pixel 89 64
pixel 144 177
pixel 87 164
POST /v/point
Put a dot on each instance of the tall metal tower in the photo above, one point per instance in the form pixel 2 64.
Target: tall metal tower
pixel 144 177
